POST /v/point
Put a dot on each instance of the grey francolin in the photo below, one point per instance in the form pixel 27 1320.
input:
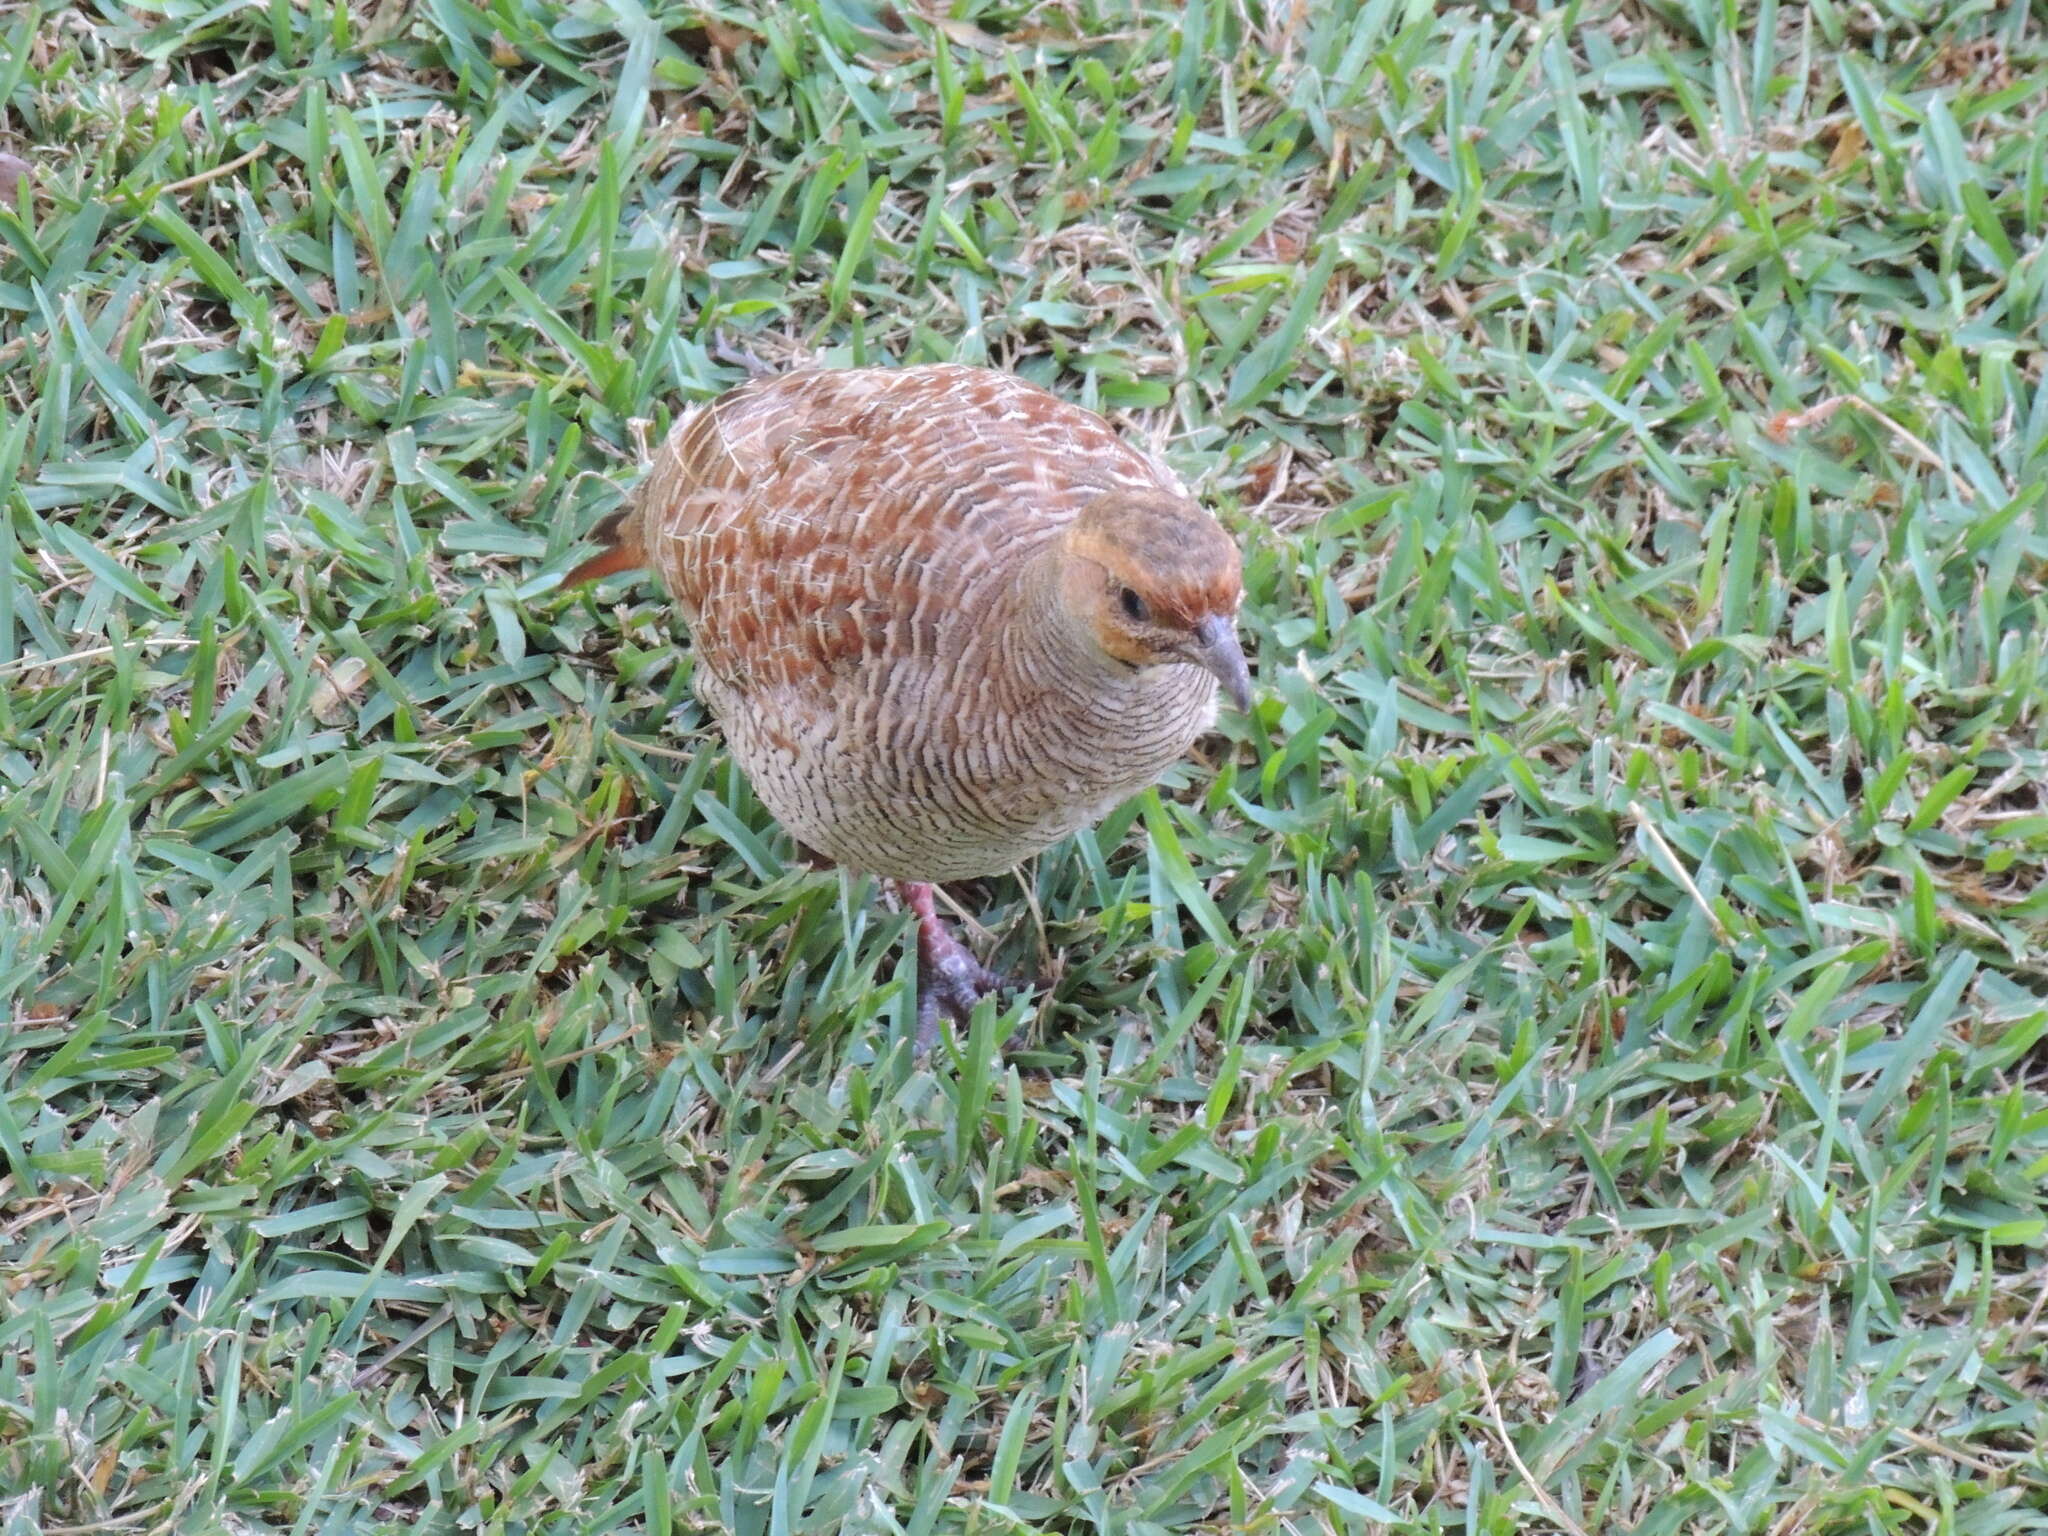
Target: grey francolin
pixel 944 618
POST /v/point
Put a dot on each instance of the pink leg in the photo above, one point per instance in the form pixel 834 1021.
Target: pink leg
pixel 949 979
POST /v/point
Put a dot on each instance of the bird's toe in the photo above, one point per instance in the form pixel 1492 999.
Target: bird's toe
pixel 948 986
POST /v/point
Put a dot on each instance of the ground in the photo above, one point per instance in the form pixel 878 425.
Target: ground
pixel 1574 1061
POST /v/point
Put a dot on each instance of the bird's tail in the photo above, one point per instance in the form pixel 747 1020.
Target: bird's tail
pixel 619 536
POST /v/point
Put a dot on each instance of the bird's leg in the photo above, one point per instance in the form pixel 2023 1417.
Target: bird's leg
pixel 949 979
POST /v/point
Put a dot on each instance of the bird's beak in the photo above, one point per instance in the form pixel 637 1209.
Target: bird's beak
pixel 1216 650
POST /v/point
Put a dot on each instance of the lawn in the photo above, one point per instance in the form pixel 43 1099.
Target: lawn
pixel 1576 1060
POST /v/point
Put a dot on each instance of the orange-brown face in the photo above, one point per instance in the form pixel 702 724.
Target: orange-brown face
pixel 1158 581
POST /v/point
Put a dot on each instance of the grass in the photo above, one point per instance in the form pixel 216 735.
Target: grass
pixel 1573 1062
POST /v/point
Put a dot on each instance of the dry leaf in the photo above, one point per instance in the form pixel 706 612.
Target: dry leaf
pixel 344 680
pixel 1848 147
pixel 14 172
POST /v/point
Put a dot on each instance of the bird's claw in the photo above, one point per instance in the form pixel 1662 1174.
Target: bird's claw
pixel 949 985
pixel 950 981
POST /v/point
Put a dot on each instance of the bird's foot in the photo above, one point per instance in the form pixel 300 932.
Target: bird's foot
pixel 950 981
pixel 950 988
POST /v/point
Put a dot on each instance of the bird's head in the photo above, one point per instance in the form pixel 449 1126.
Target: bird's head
pixel 1154 580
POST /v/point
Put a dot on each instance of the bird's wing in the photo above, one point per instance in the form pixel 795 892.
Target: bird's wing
pixel 811 523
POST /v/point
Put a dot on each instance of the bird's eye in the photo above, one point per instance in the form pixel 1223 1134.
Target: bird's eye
pixel 1133 606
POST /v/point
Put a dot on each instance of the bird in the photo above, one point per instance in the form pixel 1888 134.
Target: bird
pixel 943 617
